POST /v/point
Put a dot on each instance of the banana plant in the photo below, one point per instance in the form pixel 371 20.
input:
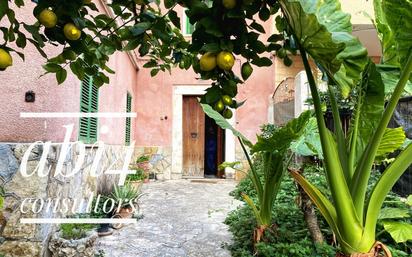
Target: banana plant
pixel 274 150
pixel 323 32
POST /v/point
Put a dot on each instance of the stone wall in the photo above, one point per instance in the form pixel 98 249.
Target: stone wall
pixel 31 240
pixel 160 160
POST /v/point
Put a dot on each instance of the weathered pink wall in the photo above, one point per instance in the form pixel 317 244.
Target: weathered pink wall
pixel 154 99
pixel 50 97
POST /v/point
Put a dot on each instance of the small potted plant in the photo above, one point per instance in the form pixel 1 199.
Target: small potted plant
pixel 143 163
pixel 73 240
pixel 136 179
pixel 126 198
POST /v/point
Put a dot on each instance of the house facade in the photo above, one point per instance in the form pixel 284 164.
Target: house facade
pixel 168 127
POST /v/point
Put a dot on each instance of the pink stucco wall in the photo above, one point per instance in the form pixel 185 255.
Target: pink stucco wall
pixel 50 97
pixel 154 99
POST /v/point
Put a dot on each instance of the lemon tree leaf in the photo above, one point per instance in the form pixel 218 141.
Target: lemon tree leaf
pixel 401 232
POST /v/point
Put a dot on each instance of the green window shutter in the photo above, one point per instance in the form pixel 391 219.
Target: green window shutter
pixel 189 27
pixel 89 103
pixel 128 119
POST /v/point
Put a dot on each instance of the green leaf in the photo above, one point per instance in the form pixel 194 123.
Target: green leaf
pixel 391 141
pixel 409 200
pixel 154 72
pixel 397 15
pixel 282 138
pixel 401 232
pixel 390 77
pixel 325 32
pixel 223 123
pixel 368 113
pixel 308 143
pixel 393 213
pixel 4 6
pixel 232 165
pixel 257 27
pixel 61 76
pixel 211 47
pixel 174 18
pixel 52 67
pixel 385 34
pixel 262 62
pixel 140 28
pixel 388 179
pixel 325 206
pixel 132 44
pixel 252 205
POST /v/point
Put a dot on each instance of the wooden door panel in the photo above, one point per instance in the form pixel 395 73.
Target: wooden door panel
pixel 193 137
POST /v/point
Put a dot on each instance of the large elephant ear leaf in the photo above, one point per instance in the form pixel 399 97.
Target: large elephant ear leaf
pixel 397 16
pixel 392 140
pixel 368 112
pixel 282 138
pixel 325 32
pixel 223 123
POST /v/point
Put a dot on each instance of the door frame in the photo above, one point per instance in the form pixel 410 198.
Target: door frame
pixel 176 172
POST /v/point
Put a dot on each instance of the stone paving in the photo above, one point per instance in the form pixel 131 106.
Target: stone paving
pixel 182 218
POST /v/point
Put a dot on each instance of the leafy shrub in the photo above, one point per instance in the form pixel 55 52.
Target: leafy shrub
pixel 138 176
pixel 75 231
pixel 292 238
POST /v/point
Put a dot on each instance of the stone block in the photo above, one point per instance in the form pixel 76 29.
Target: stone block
pixel 20 249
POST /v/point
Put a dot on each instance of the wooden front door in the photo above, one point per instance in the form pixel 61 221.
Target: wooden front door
pixel 193 138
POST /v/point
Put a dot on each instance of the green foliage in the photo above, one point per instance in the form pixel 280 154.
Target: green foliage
pixel 124 195
pixel 291 237
pixel 396 221
pixel 322 23
pixel 142 158
pixel 349 159
pixel 143 27
pixel 291 229
pixel 138 176
pixel 75 231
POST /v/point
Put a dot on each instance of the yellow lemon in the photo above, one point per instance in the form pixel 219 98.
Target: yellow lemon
pixel 207 62
pixel 219 106
pixel 5 59
pixel 225 60
pixel 229 4
pixel 71 32
pixel 48 18
pixel 227 100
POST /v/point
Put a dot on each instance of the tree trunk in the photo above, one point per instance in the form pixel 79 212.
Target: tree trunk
pixel 310 216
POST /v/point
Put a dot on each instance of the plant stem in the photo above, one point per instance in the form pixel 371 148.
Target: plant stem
pixel 361 177
pixel 348 222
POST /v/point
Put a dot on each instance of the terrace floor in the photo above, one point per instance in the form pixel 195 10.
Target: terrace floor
pixel 180 218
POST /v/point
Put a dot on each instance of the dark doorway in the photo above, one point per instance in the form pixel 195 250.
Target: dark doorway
pixel 214 148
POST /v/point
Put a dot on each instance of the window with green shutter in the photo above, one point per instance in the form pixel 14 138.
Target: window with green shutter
pixel 89 103
pixel 128 119
pixel 188 27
